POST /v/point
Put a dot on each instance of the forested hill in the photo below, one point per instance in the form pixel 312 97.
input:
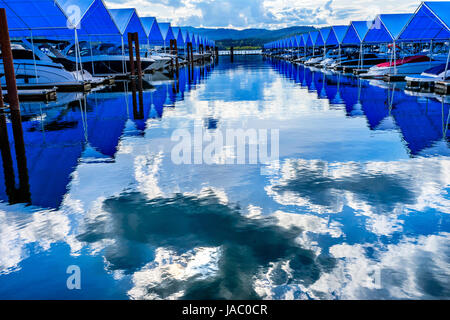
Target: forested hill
pixel 247 38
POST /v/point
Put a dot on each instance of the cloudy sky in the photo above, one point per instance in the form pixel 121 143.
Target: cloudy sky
pixel 272 14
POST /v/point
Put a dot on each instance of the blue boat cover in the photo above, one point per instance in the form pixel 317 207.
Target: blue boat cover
pixel 127 21
pixel 166 31
pixel 430 22
pixel 37 18
pixel 356 32
pixel 178 36
pixel 311 37
pixel 301 40
pixel 187 37
pixel 386 27
pixel 152 28
pixel 336 35
pixel 92 18
pixel 323 36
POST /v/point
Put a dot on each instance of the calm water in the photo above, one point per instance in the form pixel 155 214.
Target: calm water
pixel 357 207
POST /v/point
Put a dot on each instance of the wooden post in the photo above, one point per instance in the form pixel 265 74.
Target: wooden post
pixel 232 54
pixel 13 99
pixel 138 60
pixel 5 148
pixel 177 62
pixel 191 52
pixel 130 51
pixel 8 62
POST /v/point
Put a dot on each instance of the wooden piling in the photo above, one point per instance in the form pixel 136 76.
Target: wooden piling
pixel 177 62
pixel 8 62
pixel 232 54
pixel 14 104
pixel 138 60
pixel 130 52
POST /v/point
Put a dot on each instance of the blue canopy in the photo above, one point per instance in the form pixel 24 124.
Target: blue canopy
pixel 289 43
pixel 187 37
pixel 194 39
pixel 336 35
pixel 152 29
pixel 301 40
pixel 430 22
pixel 311 38
pixel 166 31
pixel 323 36
pixel 127 21
pixel 178 36
pixel 386 27
pixel 356 32
pixel 37 18
pixel 94 19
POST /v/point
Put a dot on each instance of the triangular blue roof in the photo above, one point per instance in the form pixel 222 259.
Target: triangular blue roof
pixel 127 21
pixel 166 31
pixel 288 43
pixel 294 42
pixel 386 27
pixel 300 41
pixel 316 38
pixel 311 37
pixel 194 39
pixel 361 28
pixel 430 22
pixel 323 36
pixel 336 35
pixel 41 17
pixel 187 37
pixel 94 19
pixel 356 32
pixel 179 36
pixel 147 22
pixel 152 28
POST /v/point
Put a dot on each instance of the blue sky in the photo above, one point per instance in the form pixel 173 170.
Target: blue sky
pixel 271 14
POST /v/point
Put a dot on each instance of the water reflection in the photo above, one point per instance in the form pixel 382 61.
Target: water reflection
pixel 238 246
pixel 356 207
pixel 423 120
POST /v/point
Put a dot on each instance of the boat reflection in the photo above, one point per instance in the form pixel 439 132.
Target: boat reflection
pixel 423 121
pixel 81 128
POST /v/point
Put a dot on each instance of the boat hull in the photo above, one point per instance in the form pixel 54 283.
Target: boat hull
pixel 42 73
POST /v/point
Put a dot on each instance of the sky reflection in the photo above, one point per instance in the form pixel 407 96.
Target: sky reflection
pixel 356 208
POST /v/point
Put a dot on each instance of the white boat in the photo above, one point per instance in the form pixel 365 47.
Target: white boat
pixel 314 60
pixel 103 59
pixel 36 68
pixel 161 61
pixel 437 73
pixel 405 66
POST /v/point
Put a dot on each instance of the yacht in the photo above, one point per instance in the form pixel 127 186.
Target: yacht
pixel 437 73
pixel 314 60
pixel 104 59
pixel 162 61
pixel 369 60
pixel 405 66
pixel 37 68
pixel 427 79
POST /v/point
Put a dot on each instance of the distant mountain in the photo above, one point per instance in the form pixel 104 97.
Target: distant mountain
pixel 248 37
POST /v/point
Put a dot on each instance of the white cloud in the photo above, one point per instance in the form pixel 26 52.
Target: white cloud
pixel 263 13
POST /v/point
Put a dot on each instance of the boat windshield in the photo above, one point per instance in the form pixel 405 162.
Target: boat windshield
pixel 87 49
